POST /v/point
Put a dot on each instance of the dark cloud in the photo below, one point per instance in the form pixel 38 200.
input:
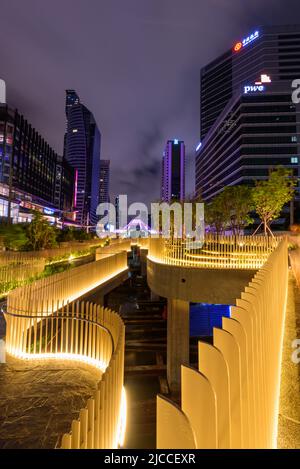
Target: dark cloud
pixel 135 64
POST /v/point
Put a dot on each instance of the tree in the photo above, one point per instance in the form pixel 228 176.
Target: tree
pixel 215 215
pixel 271 195
pixel 81 235
pixel 240 205
pixel 14 236
pixel 40 233
pixel 230 208
pixel 66 234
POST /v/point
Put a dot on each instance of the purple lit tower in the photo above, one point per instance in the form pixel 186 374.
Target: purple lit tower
pixel 173 171
pixel 82 151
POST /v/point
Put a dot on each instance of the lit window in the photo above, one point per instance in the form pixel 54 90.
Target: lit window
pixel 294 159
pixel 75 131
pixel 294 138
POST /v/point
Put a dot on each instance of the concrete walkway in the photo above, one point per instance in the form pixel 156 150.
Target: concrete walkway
pixel 39 400
pixel 289 412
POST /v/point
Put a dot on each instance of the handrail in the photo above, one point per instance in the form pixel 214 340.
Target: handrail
pixel 59 316
pixel 225 252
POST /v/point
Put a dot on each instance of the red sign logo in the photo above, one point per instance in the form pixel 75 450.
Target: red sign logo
pixel 237 46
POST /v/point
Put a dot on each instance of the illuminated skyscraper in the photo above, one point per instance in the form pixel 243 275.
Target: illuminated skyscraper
pixel 104 181
pixel 249 123
pixel 173 171
pixel 267 49
pixel 82 151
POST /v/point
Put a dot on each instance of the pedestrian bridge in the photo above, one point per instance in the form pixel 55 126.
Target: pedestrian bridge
pixel 215 272
pixel 46 320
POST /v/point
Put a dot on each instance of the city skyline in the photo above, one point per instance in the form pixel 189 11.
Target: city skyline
pixel 149 228
pixel 170 74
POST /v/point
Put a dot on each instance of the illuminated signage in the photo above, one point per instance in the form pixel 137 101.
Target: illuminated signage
pixel 263 79
pixel 253 88
pixel 238 46
pixel 48 211
pixel 258 86
pixel 247 40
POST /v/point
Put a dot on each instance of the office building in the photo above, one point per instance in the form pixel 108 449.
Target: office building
pixel 30 170
pixel 117 208
pixel 82 151
pixel 254 126
pixel 274 50
pixel 173 171
pixel 104 181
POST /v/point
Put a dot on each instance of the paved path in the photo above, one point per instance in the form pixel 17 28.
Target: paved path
pixel 289 412
pixel 39 400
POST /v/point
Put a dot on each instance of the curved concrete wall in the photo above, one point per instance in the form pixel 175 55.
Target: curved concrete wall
pixel 197 285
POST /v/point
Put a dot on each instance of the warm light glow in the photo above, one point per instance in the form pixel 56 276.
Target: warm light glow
pixel 122 420
pixel 277 398
pixel 220 252
pixel 103 352
pixel 59 356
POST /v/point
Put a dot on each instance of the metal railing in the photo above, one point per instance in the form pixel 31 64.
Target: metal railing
pixel 217 252
pixel 232 400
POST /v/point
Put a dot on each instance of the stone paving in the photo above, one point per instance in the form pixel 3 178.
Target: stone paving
pixel 289 411
pixel 39 400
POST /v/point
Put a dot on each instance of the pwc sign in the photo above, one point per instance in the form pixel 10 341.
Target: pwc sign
pixel 253 88
pixel 259 85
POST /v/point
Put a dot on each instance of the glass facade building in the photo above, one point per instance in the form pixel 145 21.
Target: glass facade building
pixel 104 181
pixel 82 151
pixel 173 171
pixel 269 49
pixel 30 170
pixel 249 123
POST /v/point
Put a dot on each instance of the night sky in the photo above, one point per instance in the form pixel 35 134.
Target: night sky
pixel 134 63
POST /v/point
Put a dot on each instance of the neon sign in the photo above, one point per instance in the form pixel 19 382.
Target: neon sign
pixel 247 40
pixel 253 88
pixel 237 46
pixel 263 79
pixel 258 86
pixel 48 211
